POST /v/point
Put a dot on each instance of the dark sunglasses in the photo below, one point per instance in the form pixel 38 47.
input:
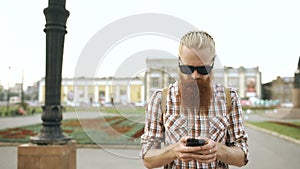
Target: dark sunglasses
pixel 187 69
pixel 203 70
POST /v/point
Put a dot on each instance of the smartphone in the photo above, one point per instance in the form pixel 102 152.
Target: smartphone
pixel 195 142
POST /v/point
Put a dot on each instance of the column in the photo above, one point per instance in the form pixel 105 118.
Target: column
pixel 96 94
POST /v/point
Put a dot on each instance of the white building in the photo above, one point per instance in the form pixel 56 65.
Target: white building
pixel 160 72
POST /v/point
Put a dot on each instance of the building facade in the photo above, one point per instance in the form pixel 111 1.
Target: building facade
pixel 92 91
pixel 246 80
pixel 280 89
pixel 160 72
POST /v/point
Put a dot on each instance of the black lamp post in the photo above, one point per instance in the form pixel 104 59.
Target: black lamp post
pixel 296 90
pixel 55 29
pixel 297 76
pixel 7 97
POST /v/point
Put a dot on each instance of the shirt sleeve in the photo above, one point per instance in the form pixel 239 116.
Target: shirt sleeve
pixel 236 131
pixel 154 131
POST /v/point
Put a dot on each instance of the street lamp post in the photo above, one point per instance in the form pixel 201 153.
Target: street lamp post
pixel 296 92
pixel 55 29
pixel 7 97
pixel 7 102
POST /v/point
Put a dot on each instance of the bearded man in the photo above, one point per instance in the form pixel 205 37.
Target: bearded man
pixel 195 108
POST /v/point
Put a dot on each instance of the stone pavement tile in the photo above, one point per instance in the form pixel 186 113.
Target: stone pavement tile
pixel 8 157
pixel 108 158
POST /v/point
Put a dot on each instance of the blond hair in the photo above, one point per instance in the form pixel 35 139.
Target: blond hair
pixel 198 40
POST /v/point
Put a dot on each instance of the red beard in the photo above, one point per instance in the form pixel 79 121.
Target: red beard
pixel 195 94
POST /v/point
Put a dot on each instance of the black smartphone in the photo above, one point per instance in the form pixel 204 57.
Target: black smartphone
pixel 195 142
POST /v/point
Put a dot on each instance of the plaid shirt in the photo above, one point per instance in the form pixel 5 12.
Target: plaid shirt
pixel 218 125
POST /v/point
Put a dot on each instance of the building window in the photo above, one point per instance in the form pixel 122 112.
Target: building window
pixel 233 82
pixel 155 82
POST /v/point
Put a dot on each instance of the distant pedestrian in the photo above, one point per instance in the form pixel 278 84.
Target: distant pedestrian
pixel 112 100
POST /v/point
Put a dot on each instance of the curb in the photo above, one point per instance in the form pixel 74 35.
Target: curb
pixel 96 146
pixel 273 133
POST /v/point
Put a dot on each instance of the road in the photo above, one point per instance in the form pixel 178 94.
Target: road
pixel 266 152
pixel 270 152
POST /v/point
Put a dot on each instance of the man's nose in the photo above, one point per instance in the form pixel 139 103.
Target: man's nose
pixel 195 75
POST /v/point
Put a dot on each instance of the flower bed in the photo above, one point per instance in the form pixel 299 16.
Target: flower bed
pixel 107 130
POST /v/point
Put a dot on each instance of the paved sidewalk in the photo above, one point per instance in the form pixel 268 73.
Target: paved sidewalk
pixel 17 121
pixel 10 122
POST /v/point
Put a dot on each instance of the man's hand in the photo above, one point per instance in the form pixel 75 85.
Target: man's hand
pixel 206 153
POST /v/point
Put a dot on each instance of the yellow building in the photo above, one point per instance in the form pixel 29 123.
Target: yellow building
pixel 96 91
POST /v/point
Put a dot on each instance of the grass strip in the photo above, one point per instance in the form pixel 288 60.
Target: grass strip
pixel 279 128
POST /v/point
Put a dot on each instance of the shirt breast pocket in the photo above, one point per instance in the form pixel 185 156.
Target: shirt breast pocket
pixel 176 127
pixel 218 128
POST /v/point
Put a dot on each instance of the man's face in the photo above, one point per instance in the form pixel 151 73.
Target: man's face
pixel 193 57
pixel 195 88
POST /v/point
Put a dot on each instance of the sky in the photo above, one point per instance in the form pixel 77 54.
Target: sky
pixel 249 33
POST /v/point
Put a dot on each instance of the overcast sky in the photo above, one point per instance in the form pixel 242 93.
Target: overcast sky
pixel 248 33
